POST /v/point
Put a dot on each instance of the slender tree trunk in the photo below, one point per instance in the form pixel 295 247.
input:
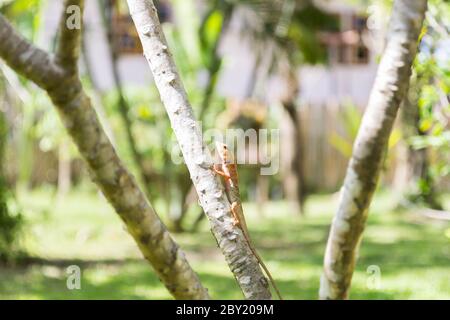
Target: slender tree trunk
pixel 296 166
pixel 390 87
pixel 262 193
pixel 213 76
pixel 64 169
pixel 212 197
pixel 418 185
pixel 255 85
pixel 251 87
pixel 59 77
pixel 96 97
pixel 124 108
pixel 181 187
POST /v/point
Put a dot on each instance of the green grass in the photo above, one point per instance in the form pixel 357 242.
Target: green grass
pixel 412 254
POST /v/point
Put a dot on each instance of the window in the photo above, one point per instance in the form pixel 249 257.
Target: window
pixel 346 46
pixel 124 35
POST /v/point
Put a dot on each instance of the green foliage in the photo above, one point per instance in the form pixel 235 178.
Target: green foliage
pixel 432 78
pixel 306 49
pixel 10 218
pixel 303 32
pixel 210 29
pixel 193 44
pixel 350 119
pixel 155 140
pixel 292 28
pixel 11 223
pixel 39 123
pixel 25 14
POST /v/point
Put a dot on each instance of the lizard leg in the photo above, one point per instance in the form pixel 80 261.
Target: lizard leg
pixel 235 215
pixel 221 172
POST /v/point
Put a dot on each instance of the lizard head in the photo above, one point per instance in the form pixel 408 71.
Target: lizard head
pixel 224 153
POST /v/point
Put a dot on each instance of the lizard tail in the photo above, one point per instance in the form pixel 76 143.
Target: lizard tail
pixel 272 282
pixel 267 272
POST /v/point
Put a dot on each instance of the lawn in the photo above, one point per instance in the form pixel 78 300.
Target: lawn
pixel 410 253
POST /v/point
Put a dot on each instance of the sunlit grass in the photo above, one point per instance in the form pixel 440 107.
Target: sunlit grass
pixel 412 255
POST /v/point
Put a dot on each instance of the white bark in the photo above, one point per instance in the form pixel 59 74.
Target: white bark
pixel 389 89
pixel 188 132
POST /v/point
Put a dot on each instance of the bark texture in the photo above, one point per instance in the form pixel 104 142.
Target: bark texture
pixel 212 197
pixel 390 87
pixel 61 81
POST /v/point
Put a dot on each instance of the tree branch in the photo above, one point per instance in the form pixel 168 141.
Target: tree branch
pixel 106 169
pixel 33 63
pixel 69 40
pixel 197 157
pixel 389 89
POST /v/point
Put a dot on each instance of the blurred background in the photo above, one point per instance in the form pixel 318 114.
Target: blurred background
pixel 304 67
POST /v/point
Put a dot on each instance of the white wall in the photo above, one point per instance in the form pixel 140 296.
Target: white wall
pixel 318 84
pixel 133 69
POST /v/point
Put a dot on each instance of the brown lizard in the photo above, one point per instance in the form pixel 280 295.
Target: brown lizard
pixel 228 170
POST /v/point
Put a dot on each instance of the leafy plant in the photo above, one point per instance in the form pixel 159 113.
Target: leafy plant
pixel 432 70
pixel 350 118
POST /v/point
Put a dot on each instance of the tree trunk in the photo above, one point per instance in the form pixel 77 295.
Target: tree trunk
pixel 198 159
pixel 64 169
pixel 59 77
pixel 262 193
pixel 390 87
pixel 181 188
pixel 124 108
pixel 296 190
pixel 213 76
pixel 96 97
pixel 418 185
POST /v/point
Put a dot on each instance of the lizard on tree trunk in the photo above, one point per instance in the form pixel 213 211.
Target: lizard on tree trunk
pixel 228 170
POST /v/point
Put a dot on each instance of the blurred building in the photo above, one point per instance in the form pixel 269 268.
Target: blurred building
pixel 349 73
pixel 323 89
